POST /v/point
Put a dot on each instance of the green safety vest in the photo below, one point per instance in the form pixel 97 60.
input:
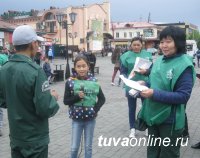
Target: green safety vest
pixel 164 76
pixel 3 59
pixel 91 90
pixel 128 61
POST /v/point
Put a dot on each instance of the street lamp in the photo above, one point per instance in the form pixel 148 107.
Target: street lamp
pixel 60 17
pixel 72 36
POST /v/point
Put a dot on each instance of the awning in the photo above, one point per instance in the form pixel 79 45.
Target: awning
pixel 107 35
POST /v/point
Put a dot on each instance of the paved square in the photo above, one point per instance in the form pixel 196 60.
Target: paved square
pixel 112 121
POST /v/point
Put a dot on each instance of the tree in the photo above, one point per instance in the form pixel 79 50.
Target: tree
pixel 195 35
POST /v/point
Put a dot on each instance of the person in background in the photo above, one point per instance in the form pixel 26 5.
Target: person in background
pixel 102 52
pixel 37 58
pixel 127 63
pixel 115 59
pixel 198 57
pixel 92 61
pixel 80 95
pixel 6 51
pixel 47 70
pixel 171 80
pixel 50 54
pixel 3 59
pixel 25 92
pixel 82 51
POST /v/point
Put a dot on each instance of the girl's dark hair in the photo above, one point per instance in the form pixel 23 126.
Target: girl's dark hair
pixel 136 39
pixel 81 57
pixel 178 35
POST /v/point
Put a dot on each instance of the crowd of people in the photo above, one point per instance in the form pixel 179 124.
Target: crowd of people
pixel 30 101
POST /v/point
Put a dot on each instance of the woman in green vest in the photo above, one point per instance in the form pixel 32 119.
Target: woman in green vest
pixel 81 92
pixel 171 81
pixel 3 59
pixel 127 63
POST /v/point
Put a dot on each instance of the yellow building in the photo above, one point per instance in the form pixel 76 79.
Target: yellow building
pixel 88 31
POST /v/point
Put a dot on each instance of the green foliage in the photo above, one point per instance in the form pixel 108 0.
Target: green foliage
pixel 195 35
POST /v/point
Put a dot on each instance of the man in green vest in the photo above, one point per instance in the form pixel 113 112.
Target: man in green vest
pixel 3 59
pixel 171 81
pixel 25 92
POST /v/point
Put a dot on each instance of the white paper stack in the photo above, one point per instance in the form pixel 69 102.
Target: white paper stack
pixel 133 84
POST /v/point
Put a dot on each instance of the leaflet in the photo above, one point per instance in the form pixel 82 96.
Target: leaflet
pixel 133 84
pixel 140 63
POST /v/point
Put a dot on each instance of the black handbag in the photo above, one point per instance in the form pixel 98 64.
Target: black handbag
pixel 140 124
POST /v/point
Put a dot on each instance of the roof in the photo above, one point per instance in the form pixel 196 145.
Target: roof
pixel 132 24
pixel 6 26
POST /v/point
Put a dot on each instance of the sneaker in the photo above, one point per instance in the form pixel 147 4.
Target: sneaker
pixel 146 132
pixel 132 133
pixel 1 132
pixel 112 83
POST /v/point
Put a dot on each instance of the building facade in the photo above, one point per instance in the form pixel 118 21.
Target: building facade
pixel 6 30
pixel 123 32
pixel 187 27
pixel 88 31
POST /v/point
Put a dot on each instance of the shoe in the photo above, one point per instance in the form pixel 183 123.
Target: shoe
pixel 1 132
pixel 132 133
pixel 146 132
pixel 196 146
pixel 112 83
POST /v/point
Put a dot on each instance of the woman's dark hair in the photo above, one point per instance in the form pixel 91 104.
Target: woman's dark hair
pixel 136 39
pixel 81 57
pixel 178 35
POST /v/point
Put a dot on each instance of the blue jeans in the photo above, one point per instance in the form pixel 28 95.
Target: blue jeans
pixel 1 118
pixel 131 109
pixel 77 129
pixel 132 104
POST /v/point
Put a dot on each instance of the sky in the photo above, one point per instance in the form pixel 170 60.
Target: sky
pixel 167 11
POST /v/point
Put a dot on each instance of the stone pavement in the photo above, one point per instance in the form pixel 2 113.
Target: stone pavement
pixel 112 122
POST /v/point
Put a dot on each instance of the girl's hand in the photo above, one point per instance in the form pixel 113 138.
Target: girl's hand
pixel 81 94
pixel 147 93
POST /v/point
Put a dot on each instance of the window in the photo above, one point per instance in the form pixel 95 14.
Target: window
pixel 117 34
pixel 38 26
pixel 130 34
pixel 51 26
pixel 125 34
pixel 104 26
pixel 49 16
pixel 88 24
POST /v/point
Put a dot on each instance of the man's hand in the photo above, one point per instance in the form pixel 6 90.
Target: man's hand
pixel 54 93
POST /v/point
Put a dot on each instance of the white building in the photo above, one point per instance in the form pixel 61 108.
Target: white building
pixel 123 32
